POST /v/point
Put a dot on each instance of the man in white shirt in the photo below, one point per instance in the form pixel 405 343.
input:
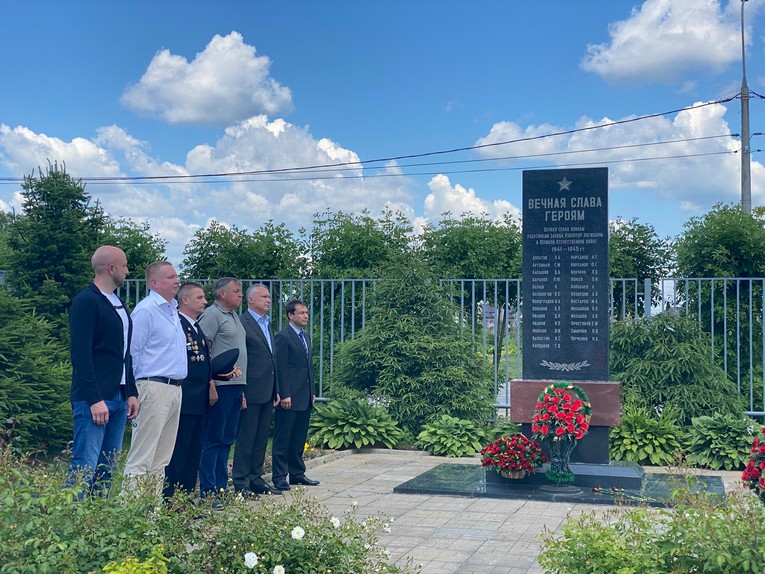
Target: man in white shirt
pixel 158 348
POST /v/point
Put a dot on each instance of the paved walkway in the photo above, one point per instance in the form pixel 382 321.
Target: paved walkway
pixel 445 534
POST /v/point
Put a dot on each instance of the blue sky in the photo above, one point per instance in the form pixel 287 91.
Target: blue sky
pixel 178 88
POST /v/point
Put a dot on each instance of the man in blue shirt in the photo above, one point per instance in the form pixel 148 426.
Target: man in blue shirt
pixel 158 348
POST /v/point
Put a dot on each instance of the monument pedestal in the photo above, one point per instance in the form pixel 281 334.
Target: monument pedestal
pixel 592 451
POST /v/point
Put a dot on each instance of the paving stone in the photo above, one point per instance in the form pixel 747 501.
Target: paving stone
pixel 446 534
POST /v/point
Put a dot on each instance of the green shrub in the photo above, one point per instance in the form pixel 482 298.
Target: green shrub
pixel 645 439
pixel 667 360
pixel 721 441
pixel 297 534
pixel 349 423
pixel 450 436
pixel 156 564
pixel 44 529
pixel 697 533
pixel 415 354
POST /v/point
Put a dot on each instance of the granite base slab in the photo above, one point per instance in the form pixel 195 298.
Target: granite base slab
pixel 619 484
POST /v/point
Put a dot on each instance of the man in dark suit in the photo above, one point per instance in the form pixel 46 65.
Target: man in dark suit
pixel 260 392
pixel 198 390
pixel 295 368
pixel 103 393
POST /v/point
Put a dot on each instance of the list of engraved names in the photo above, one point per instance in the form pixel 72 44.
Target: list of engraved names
pixel 562 252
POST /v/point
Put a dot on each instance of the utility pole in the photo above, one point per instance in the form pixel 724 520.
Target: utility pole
pixel 746 152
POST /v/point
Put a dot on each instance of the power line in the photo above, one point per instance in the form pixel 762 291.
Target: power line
pixel 356 164
pixel 276 178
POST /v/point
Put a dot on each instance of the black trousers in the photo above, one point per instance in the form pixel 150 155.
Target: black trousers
pixel 184 465
pixel 289 443
pixel 251 443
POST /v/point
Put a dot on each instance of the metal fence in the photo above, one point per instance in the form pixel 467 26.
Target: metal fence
pixel 729 309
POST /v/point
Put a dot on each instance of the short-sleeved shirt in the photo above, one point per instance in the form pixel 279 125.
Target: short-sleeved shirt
pixel 225 331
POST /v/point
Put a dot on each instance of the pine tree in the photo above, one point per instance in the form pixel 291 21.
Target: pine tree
pixel 52 240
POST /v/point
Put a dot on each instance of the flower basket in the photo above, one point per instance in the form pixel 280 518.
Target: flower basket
pixel 562 417
pixel 513 455
pixel 754 473
pixel 513 474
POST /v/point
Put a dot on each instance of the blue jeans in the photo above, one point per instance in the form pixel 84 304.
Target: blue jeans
pixel 96 448
pixel 220 434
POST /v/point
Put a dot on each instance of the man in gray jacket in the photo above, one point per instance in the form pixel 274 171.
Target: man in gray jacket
pixel 223 328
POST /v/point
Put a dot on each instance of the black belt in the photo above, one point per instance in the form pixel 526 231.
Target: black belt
pixel 166 380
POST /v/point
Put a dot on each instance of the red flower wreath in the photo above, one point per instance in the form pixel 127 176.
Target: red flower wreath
pixel 562 413
pixel 754 473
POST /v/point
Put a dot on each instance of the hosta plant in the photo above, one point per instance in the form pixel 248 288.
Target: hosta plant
pixel 450 436
pixel 720 441
pixel 353 423
pixel 646 439
pixel 503 427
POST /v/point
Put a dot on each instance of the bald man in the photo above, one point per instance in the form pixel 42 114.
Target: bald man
pixel 103 393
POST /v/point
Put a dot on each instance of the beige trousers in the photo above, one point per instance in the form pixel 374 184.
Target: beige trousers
pixel 153 439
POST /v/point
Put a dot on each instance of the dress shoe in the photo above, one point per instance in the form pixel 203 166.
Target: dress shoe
pixel 281 485
pixel 264 489
pixel 247 494
pixel 304 480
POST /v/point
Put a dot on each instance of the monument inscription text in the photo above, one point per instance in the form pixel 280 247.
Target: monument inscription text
pixel 565 274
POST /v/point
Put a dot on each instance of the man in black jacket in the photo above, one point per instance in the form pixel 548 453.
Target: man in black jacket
pixel 260 392
pixel 198 390
pixel 103 393
pixel 296 388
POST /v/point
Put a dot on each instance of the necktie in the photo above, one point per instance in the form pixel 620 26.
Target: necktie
pixel 302 340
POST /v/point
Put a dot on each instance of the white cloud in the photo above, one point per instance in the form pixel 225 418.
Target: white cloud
pixel 458 201
pixel 664 39
pixel 225 82
pixel 531 140
pixel 25 151
pixel 176 210
pixel 695 173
